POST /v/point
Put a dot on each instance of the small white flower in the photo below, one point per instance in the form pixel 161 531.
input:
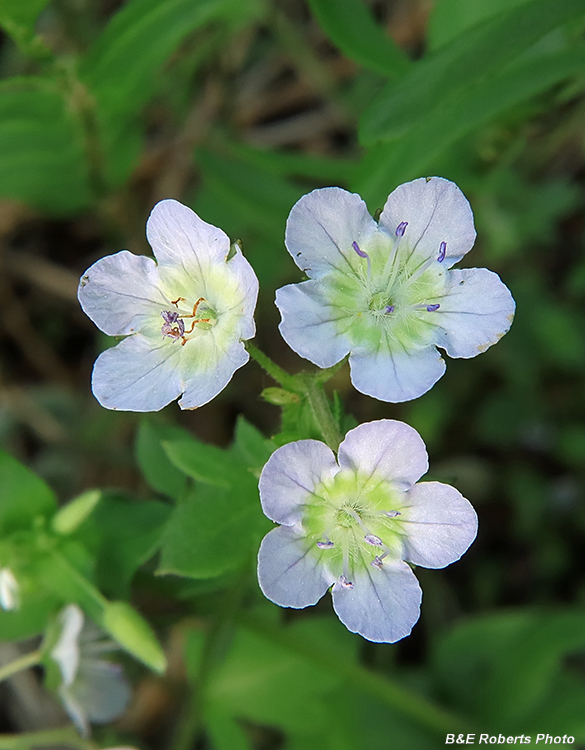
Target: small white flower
pixel 351 523
pixel 92 689
pixel 184 317
pixel 382 292
pixel 9 590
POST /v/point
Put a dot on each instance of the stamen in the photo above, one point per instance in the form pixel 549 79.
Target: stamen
pixel 326 545
pixel 401 228
pixel 389 309
pixel 432 308
pixel 392 513
pixel 173 327
pixel 344 583
pixel 442 252
pixel 377 562
pixel 374 540
pixel 363 254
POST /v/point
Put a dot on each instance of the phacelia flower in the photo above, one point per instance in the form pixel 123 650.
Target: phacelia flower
pixel 382 292
pixel 184 317
pixel 355 523
pixel 92 689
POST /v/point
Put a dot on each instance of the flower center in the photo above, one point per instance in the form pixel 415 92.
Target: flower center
pixel 353 518
pixel 201 318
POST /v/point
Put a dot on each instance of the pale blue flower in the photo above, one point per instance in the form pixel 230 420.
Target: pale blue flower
pixel 92 689
pixel 382 292
pixel 184 317
pixel 355 523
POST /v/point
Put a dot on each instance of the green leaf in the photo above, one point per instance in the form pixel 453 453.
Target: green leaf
pixel 122 534
pixel 133 633
pixel 158 470
pixel 251 446
pixel 17 17
pixel 204 462
pixel 42 161
pixel 213 530
pixel 450 18
pixel 389 165
pixel 351 27
pixel 471 60
pixel 23 496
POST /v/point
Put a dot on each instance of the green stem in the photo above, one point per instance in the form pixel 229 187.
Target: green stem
pixel 276 373
pixel 23 662
pixel 402 700
pixel 317 399
pixel 62 737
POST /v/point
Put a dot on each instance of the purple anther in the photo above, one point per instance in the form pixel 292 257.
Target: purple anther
pixel 433 308
pixel 373 539
pixel 170 316
pixel 392 513
pixel 344 583
pixel 360 252
pixel 401 228
pixel 377 563
pixel 325 545
pixel 173 325
pixel 442 252
pixel 389 309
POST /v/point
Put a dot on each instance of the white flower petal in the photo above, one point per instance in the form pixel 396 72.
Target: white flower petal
pixel 66 650
pixel 75 711
pixel 386 448
pixel 440 524
pixel 383 605
pixel 321 228
pixel 290 573
pixel 436 211
pixel 310 325
pixel 118 291
pixel 475 313
pixel 101 691
pixel 248 287
pixel 290 476
pixel 137 375
pixel 208 369
pixel 397 375
pixel 179 237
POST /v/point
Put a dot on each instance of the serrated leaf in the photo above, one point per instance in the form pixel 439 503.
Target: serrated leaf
pixel 42 161
pixel 469 61
pixel 17 17
pixel 23 496
pixel 389 165
pixel 351 27
pixel 251 446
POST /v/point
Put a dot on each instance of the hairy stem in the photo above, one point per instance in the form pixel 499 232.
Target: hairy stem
pixel 23 662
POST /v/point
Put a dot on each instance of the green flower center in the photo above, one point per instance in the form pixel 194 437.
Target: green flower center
pixel 352 517
pixel 393 294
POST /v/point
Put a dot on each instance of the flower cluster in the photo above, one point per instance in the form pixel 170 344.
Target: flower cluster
pixel 184 317
pixel 383 293
pixel 354 523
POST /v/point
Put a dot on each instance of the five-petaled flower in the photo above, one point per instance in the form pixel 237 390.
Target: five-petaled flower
pixel 91 688
pixel 382 292
pixel 184 317
pixel 354 523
